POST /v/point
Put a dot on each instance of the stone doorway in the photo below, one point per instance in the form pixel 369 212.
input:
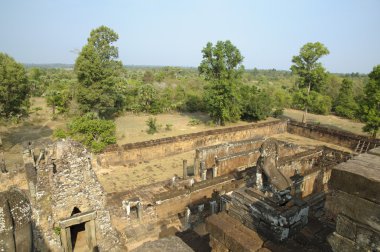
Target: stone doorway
pixel 78 232
pixel 209 174
pixel 78 237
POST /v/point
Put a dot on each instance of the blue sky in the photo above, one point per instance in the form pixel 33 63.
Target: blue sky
pixel 162 32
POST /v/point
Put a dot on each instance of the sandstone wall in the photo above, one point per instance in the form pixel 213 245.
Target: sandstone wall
pixel 210 153
pixel 173 203
pixel 229 234
pixel 148 150
pixel 338 137
pixel 355 203
pixel 240 161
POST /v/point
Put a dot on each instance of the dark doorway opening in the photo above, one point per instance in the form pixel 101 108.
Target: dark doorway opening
pixel 78 235
pixel 209 174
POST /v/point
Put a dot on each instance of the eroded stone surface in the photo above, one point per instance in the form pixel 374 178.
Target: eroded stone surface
pixel 169 244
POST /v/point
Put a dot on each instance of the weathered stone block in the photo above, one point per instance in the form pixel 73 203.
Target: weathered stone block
pixel 359 176
pixel 339 243
pixel 365 237
pixel 358 209
pixel 346 227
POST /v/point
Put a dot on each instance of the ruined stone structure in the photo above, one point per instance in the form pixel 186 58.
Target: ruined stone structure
pixel 252 185
pixel 67 199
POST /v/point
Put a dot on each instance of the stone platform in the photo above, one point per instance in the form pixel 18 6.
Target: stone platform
pixel 355 203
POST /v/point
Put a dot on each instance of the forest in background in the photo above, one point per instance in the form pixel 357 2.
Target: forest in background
pixel 99 88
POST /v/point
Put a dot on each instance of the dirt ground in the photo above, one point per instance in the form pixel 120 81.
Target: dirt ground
pixel 123 178
pixel 132 128
pixel 38 127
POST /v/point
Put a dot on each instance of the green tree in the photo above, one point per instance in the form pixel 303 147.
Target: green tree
pixel 147 99
pixel 314 101
pixel 370 104
pixel 14 88
pixel 311 74
pixel 222 68
pixel 36 86
pixel 98 70
pixel 148 77
pixel 91 131
pixel 257 104
pixel 345 104
pixel 58 96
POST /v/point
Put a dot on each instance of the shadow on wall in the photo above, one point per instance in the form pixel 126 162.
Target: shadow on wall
pixel 18 226
pixel 195 241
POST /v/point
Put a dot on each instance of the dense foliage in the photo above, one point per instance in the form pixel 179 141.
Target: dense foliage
pixel 14 88
pixel 370 104
pixel 98 72
pixel 222 68
pixel 93 132
pixel 345 104
pixel 220 86
pixel 311 75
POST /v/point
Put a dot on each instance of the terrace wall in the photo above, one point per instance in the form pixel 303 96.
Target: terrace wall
pixel 148 150
pixel 334 136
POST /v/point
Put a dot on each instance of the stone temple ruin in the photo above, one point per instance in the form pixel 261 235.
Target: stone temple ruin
pixel 274 186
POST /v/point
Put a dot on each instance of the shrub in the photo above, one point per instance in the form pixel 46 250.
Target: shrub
pixel 153 127
pixel 257 104
pixel 194 122
pixel 168 127
pixel 60 134
pixel 91 131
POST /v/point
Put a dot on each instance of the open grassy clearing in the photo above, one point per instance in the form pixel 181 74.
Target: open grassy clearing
pixel 132 127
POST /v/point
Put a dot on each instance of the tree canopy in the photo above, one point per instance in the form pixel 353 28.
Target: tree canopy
pixel 345 104
pixel 97 70
pixel 370 104
pixel 14 88
pixel 311 74
pixel 222 68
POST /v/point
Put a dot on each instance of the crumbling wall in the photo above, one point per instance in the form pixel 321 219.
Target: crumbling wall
pixel 338 137
pixel 148 150
pixel 210 154
pixel 64 180
pixel 174 202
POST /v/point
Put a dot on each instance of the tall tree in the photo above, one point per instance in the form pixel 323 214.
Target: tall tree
pixel 370 105
pixel 97 70
pixel 14 88
pixel 345 104
pixel 222 68
pixel 311 74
